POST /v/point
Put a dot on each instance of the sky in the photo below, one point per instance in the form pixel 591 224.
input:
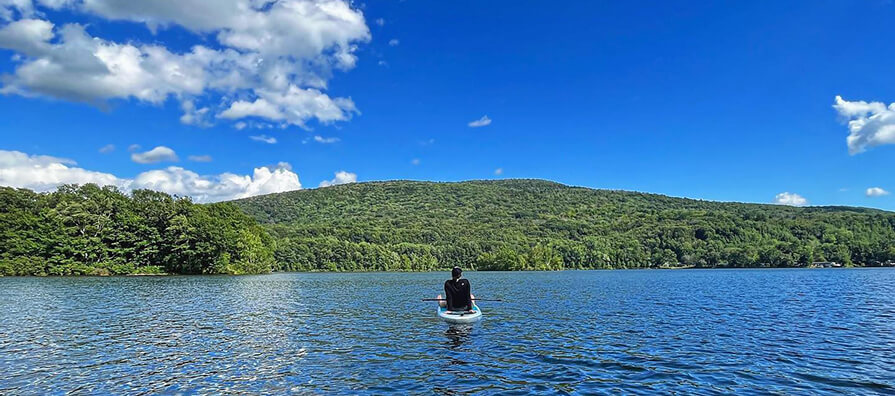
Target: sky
pixel 784 102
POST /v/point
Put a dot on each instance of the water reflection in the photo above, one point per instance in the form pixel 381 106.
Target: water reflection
pixel 630 332
pixel 457 334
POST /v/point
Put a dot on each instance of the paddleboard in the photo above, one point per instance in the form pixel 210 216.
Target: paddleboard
pixel 460 316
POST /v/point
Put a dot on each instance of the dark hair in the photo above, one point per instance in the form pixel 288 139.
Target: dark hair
pixel 455 273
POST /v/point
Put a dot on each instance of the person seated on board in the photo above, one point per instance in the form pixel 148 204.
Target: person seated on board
pixel 457 295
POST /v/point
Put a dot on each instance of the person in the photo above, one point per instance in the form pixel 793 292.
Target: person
pixel 457 293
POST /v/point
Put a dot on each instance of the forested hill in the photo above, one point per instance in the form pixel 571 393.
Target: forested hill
pixel 89 230
pixel 534 224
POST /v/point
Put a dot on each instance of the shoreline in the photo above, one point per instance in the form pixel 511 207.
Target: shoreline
pixel 441 270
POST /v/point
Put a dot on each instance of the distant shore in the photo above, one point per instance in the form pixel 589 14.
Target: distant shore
pixel 403 226
pixel 441 270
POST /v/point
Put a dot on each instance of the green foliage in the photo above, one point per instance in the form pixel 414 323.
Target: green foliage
pixel 539 225
pixel 149 270
pixel 88 230
pixel 418 226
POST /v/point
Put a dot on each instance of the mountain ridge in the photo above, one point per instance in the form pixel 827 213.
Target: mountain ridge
pixel 571 186
pixel 542 224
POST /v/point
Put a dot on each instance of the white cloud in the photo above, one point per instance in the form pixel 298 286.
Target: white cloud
pixel 223 187
pixel 133 147
pixel 498 171
pixel 294 105
pixel 791 199
pixel 83 68
pixel 259 108
pixel 279 52
pixel 200 158
pixel 342 177
pixel 394 42
pixel 240 125
pixel 158 154
pixel 484 121
pixel 415 161
pixel 876 192
pixel 264 138
pixel 870 124
pixel 383 63
pixel 107 148
pixel 27 36
pixel 325 140
pixel 45 173
pixel 297 28
pixel 193 116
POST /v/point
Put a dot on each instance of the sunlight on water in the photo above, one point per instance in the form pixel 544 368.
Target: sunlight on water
pixel 713 331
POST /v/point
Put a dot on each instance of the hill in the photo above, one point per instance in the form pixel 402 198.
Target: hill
pixel 535 224
pixel 92 230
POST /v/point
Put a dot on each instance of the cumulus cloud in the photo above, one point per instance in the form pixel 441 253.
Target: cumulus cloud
pixel 45 173
pixel 264 139
pixel 870 124
pixel 83 68
pixel 484 121
pixel 107 148
pixel 158 154
pixel 791 199
pixel 394 42
pixel 270 59
pixel 27 36
pixel 293 105
pixel 296 28
pixel 326 140
pixel 259 108
pixel 876 192
pixel 342 177
pixel 226 186
pixel 200 158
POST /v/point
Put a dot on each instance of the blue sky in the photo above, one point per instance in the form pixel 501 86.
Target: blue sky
pixel 730 101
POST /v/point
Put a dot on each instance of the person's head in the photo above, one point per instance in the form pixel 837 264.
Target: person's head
pixel 456 272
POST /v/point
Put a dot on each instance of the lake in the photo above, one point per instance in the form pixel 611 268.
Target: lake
pixel 636 332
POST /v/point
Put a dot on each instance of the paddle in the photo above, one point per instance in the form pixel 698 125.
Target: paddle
pixel 474 299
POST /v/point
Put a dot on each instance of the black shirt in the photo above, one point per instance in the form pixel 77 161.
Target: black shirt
pixel 457 295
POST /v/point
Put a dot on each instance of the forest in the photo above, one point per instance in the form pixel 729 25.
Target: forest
pixel 91 230
pixel 422 226
pixel 542 225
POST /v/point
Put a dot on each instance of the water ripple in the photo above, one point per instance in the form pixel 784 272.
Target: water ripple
pixel 607 332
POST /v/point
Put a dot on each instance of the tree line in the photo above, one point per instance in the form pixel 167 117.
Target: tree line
pixel 421 226
pixel 91 230
pixel 540 225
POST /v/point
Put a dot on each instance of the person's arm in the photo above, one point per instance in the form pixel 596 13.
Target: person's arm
pixel 469 295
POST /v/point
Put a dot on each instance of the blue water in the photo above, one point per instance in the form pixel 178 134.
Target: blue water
pixel 635 332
